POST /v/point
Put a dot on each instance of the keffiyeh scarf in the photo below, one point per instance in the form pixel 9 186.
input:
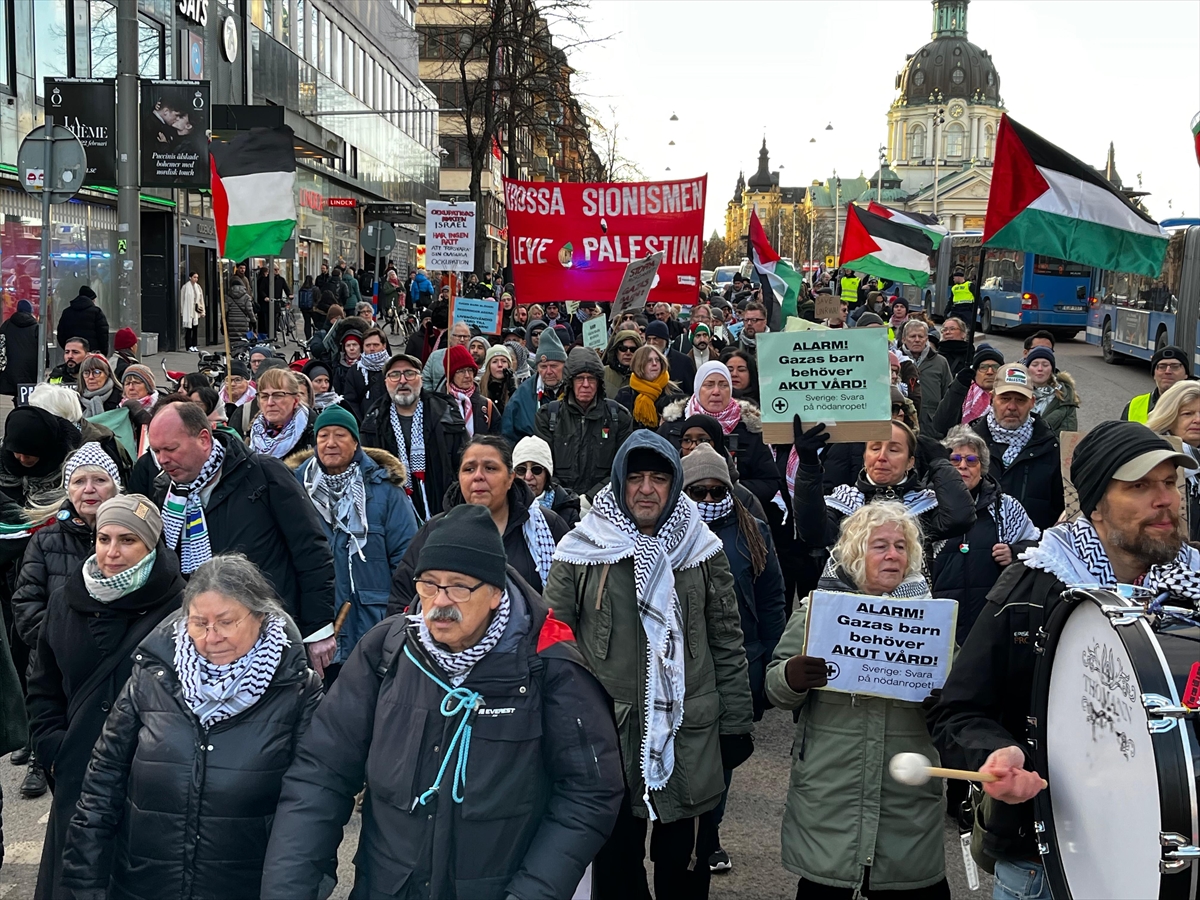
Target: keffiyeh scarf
pixel 326 399
pixel 913 587
pixel 278 442
pixel 847 499
pixel 977 402
pixel 215 693
pixel 728 417
pixel 250 394
pixel 184 527
pixel 459 665
pixel 1073 554
pixel 462 399
pixel 606 536
pixel 539 540
pixel 1016 438
pixel 714 512
pixel 1044 394
pixel 341 502
pixel 413 457
pixel 372 362
pixel 107 588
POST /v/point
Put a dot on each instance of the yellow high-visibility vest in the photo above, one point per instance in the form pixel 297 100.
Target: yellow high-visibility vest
pixel 1139 408
pixel 850 290
pixel 961 293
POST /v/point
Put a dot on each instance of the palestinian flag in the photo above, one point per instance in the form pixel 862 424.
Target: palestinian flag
pixel 884 248
pixel 927 224
pixel 253 191
pixel 1046 201
pixel 1196 134
pixel 783 279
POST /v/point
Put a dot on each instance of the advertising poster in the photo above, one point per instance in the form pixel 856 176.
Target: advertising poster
pixel 88 108
pixel 573 241
pixel 174 134
pixel 836 376
pixel 882 646
pixel 450 236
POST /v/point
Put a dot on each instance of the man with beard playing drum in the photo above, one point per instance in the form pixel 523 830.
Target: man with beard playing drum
pixel 1129 533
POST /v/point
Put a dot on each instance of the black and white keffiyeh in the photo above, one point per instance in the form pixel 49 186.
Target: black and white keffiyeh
pixel 539 540
pixel 606 536
pixel 215 693
pixel 1072 553
pixel 1016 438
pixel 913 587
pixel 184 526
pixel 847 499
pixel 413 457
pixel 284 440
pixel 1013 524
pixel 341 501
pixel 459 665
pixel 714 512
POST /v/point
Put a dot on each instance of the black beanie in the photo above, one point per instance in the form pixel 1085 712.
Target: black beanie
pixel 466 541
pixel 1172 353
pixel 646 459
pixel 86 291
pixel 984 353
pixel 31 431
pixel 239 368
pixel 1103 451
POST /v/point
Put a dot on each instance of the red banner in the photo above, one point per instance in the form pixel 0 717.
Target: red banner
pixel 571 241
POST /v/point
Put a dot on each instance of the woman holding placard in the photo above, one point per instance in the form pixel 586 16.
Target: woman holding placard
pixel 849 828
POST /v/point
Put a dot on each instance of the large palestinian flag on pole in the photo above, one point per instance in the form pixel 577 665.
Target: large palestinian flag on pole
pixel 884 248
pixel 253 189
pixel 783 279
pixel 928 224
pixel 1046 201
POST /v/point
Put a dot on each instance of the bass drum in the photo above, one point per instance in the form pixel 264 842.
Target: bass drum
pixel 1119 819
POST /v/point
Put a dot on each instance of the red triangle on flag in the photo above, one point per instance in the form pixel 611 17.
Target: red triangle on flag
pixel 856 240
pixel 1016 181
pixel 758 240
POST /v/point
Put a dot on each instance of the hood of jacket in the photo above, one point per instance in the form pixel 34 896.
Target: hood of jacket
pixel 377 465
pixel 912 482
pixel 751 414
pixel 529 333
pixel 1067 393
pixel 610 352
pixel 237 288
pixel 22 320
pixel 82 302
pixel 644 438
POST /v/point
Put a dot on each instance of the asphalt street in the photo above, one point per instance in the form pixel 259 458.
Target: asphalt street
pixel 751 829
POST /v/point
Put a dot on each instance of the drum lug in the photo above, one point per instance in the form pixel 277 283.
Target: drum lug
pixel 1039 641
pixel 1122 615
pixel 1039 826
pixel 1163 716
pixel 1178 854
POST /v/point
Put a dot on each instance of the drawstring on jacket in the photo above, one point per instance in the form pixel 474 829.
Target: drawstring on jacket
pixel 457 700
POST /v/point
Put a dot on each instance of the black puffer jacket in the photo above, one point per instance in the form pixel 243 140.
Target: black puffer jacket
pixel 543 778
pixel 1034 477
pixel 170 809
pixel 83 318
pixel 520 498
pixel 18 352
pixel 53 555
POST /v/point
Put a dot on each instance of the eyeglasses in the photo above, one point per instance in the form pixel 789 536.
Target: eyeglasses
pixel 1168 367
pixel 695 442
pixel 458 593
pixel 524 468
pixel 403 375
pixel 586 379
pixel 276 396
pixel 699 492
pixel 198 629
pixel 989 367
pixel 971 459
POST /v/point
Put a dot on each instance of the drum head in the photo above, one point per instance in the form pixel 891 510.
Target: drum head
pixel 1104 816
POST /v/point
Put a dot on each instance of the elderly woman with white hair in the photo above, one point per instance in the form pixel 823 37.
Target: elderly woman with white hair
pixel 1177 413
pixel 847 827
pixel 181 790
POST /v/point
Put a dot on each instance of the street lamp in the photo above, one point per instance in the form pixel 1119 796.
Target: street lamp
pixel 938 120
pixel 879 186
pixel 837 211
pixel 829 127
pixel 674 118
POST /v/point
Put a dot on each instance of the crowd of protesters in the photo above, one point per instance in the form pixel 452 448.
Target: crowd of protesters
pixel 518 602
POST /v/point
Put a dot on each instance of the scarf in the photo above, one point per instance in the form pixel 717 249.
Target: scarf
pixel 462 399
pixel 372 362
pixel 1016 438
pixel 606 536
pixel 1044 395
pixel 146 402
pixel 278 442
pixel 847 499
pixel 413 457
pixel 93 401
pixel 250 394
pixel 1072 553
pixel 913 587
pixel 182 507
pixel 645 395
pixel 546 498
pixel 459 665
pixel 107 588
pixel 539 540
pixel 728 417
pixel 341 502
pixel 215 693
pixel 713 512
pixel 326 399
pixel 977 402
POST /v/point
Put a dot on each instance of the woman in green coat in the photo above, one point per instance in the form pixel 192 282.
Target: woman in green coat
pixel 848 826
pixel 1057 400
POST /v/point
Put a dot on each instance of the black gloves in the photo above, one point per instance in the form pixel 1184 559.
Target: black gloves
pixel 809 443
pixel 965 377
pixel 804 673
pixel 928 449
pixel 735 749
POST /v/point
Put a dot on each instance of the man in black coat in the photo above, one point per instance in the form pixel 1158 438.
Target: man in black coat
pixel 511 795
pixel 431 454
pixel 18 349
pixel 683 370
pixel 234 500
pixel 83 318
pixel 1025 456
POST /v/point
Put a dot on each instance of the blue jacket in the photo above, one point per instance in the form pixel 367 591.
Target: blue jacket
pixel 391 524
pixel 422 284
pixel 520 412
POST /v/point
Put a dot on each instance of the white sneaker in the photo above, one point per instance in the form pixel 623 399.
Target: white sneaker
pixel 193 349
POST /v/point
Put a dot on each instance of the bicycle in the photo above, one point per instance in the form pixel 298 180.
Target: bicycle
pixel 285 324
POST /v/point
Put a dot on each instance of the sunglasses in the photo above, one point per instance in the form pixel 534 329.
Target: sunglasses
pixel 699 492
pixel 971 459
pixel 626 349
pixel 525 468
pixel 897 409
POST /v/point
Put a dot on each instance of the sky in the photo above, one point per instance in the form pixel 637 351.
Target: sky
pixel 1080 74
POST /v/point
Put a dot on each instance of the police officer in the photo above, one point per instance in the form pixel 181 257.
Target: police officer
pixel 1168 365
pixel 848 288
pixel 963 301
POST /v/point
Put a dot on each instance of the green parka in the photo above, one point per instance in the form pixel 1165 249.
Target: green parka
pixel 1062 412
pixel 844 812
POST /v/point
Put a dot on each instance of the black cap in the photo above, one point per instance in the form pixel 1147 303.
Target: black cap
pixel 239 368
pixel 1172 353
pixel 984 353
pixel 466 541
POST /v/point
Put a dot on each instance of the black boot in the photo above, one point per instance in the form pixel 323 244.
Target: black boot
pixel 20 757
pixel 34 784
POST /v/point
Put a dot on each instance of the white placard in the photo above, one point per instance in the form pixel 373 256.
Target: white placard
pixel 640 276
pixel 882 646
pixel 450 236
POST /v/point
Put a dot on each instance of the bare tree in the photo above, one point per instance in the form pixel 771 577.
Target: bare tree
pixel 614 164
pixel 714 252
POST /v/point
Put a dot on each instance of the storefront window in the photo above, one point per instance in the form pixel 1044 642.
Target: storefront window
pixel 4 73
pixel 49 41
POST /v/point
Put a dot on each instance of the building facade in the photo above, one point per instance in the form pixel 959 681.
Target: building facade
pixel 781 210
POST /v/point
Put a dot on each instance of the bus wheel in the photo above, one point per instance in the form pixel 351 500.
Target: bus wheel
pixel 985 319
pixel 1106 344
pixel 1161 340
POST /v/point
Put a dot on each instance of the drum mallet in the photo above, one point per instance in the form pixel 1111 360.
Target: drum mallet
pixel 913 768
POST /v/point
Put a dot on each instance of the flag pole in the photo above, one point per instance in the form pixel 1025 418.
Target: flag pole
pixel 225 324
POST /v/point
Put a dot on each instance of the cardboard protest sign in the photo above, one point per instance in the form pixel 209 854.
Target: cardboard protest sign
pixel 450 236
pixel 882 646
pixel 827 306
pixel 595 332
pixel 839 377
pixel 483 314
pixel 1067 440
pixel 575 239
pixel 636 285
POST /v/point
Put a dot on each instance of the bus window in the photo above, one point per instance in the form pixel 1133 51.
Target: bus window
pixel 1159 294
pixel 1049 265
pixel 1004 270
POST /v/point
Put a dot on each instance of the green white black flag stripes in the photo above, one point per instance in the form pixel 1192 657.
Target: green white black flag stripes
pixel 881 247
pixel 253 187
pixel 785 281
pixel 1044 200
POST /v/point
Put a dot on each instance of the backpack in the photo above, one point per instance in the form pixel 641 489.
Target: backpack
pixel 304 297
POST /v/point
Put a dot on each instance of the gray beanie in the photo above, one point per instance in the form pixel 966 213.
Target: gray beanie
pixel 550 348
pixel 135 512
pixel 705 462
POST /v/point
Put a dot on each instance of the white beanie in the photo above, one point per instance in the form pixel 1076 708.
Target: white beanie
pixel 712 367
pixel 535 450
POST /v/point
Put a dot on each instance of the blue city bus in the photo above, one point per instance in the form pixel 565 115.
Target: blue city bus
pixel 1134 315
pixel 1016 289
